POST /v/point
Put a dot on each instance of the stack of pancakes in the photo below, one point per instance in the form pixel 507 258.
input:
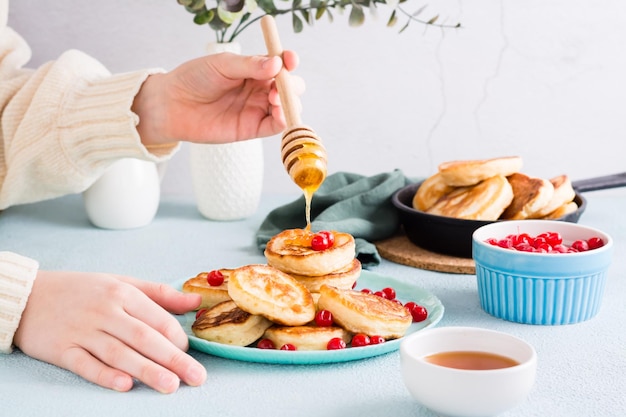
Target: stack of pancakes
pixel 290 251
pixel 278 300
pixel 493 189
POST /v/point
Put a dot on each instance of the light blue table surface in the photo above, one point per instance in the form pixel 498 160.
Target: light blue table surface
pixel 581 371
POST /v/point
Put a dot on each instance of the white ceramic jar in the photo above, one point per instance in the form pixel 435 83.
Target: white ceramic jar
pixel 126 196
pixel 227 178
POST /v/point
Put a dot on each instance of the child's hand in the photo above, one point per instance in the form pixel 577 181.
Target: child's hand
pixel 110 329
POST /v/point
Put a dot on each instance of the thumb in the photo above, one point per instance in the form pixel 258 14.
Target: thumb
pixel 255 67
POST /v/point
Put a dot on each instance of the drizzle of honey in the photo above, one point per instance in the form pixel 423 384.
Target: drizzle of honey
pixel 302 239
pixel 309 179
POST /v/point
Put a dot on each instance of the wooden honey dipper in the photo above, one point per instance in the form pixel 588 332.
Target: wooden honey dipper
pixel 302 151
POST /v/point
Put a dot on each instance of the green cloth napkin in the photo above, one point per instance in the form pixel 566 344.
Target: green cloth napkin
pixel 346 202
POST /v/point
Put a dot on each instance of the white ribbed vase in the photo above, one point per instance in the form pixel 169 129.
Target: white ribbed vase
pixel 126 196
pixel 227 178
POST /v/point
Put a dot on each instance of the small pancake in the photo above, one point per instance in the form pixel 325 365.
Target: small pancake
pixel 530 194
pixel 563 193
pixel 471 172
pixel 228 324
pixel 359 312
pixel 266 291
pixel 210 295
pixel 344 278
pixel 305 337
pixel 430 191
pixel 291 252
pixel 484 201
pixel 564 210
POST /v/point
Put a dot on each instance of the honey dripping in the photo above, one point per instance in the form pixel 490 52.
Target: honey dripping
pixel 303 155
pixel 304 158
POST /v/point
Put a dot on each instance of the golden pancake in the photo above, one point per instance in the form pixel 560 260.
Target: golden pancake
pixel 430 191
pixel 359 312
pixel 266 291
pixel 564 210
pixel 291 252
pixel 530 194
pixel 471 172
pixel 484 201
pixel 563 193
pixel 344 278
pixel 228 324
pixel 305 337
pixel 210 295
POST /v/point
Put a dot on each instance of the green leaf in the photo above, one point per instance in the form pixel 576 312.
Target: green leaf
pixel 331 18
pixel 267 6
pixel 307 16
pixel 196 6
pixel 319 12
pixel 185 2
pixel 297 24
pixel 245 17
pixel 393 19
pixel 216 23
pixel 357 17
pixel 228 17
pixel 203 17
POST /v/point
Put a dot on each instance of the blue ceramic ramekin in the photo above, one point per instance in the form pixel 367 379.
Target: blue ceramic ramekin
pixel 540 288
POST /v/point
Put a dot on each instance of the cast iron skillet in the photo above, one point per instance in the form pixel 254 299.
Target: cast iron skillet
pixel 451 236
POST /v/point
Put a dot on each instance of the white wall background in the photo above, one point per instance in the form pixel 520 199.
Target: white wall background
pixel 544 80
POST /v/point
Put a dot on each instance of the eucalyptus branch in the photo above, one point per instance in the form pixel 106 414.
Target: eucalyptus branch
pixel 237 15
pixel 430 22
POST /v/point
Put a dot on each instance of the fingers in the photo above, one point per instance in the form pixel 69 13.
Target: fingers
pixel 167 297
pixel 83 364
pixel 110 363
pixel 153 335
pixel 148 355
pixel 254 67
pixel 240 67
pixel 128 347
pixel 290 60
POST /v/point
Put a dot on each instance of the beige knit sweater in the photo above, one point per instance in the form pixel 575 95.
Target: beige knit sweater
pixel 61 125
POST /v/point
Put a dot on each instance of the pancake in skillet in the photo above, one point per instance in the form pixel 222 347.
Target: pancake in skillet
pixel 484 201
pixel 564 210
pixel 430 191
pixel 563 194
pixel 471 172
pixel 530 194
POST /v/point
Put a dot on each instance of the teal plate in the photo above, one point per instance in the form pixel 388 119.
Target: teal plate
pixel 404 292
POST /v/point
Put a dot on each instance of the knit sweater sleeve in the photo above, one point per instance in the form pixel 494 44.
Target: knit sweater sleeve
pixel 64 123
pixel 17 274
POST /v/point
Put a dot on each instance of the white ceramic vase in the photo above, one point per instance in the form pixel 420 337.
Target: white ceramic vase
pixel 227 179
pixel 126 196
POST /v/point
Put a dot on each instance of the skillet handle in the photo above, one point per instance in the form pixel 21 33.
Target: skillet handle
pixel 600 183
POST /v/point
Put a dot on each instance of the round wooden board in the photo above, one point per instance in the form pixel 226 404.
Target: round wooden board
pixel 401 250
